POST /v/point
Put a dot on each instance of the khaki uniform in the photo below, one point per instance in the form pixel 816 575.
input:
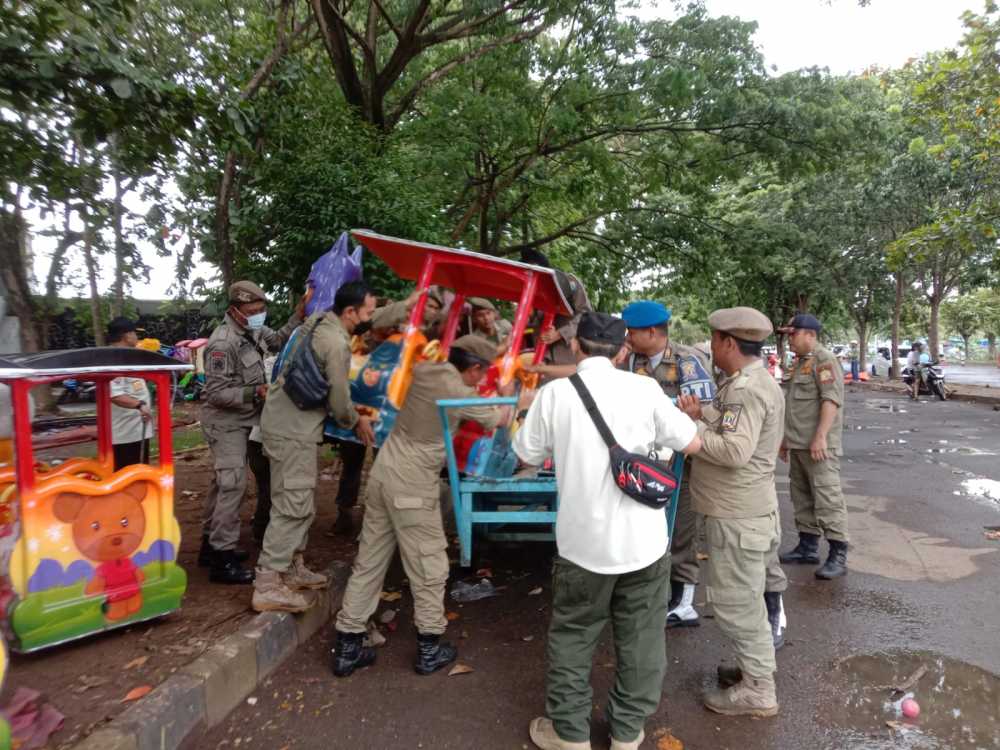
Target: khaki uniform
pixel 402 505
pixel 732 484
pixel 290 436
pixel 501 330
pixel 687 523
pixel 559 353
pixel 234 367
pixel 819 503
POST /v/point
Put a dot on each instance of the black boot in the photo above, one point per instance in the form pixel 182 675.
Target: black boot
pixel 350 653
pixel 775 617
pixel 206 551
pixel 433 653
pixel 226 568
pixel 806 552
pixel 836 563
pixel 344 525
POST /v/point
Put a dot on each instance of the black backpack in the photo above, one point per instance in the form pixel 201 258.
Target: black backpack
pixel 303 380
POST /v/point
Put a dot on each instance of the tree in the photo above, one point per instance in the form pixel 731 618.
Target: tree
pixel 962 314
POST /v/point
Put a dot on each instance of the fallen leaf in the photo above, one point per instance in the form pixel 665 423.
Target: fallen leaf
pixel 136 693
pixel 896 726
pixel 86 683
pixel 137 662
pixel 535 591
pixel 460 669
pixel 390 596
pixel 668 742
pixel 452 616
pixel 484 573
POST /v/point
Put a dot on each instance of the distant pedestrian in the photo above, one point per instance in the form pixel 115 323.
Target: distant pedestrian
pixel 814 422
pixel 131 418
pixel 613 563
pixel 854 355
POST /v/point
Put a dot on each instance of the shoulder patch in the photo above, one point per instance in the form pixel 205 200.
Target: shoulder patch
pixel 730 417
pixel 218 362
pixel 825 373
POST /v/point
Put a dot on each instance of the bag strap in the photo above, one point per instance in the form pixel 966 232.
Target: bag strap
pixel 592 410
pixel 303 339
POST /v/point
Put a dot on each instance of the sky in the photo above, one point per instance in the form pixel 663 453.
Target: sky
pixel 837 34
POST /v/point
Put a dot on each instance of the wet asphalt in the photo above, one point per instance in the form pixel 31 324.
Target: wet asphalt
pixel 923 592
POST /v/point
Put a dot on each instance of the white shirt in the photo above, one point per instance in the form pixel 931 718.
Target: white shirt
pixel 598 527
pixel 127 424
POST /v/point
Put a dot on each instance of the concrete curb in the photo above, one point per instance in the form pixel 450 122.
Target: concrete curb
pixel 954 395
pixel 202 693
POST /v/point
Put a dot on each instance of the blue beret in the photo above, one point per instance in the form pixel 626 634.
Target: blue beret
pixel 645 314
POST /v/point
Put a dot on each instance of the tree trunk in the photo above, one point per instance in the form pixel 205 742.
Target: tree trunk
pixel 118 211
pixel 965 343
pixel 223 242
pixel 862 329
pixel 933 334
pixel 897 312
pixel 96 318
pixel 991 341
pixel 14 272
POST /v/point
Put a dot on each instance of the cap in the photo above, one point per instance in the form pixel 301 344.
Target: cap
pixel 435 295
pixel 389 316
pixel 742 322
pixel 482 303
pixel 121 325
pixel 802 320
pixel 246 291
pixel 645 314
pixel 596 326
pixel 477 346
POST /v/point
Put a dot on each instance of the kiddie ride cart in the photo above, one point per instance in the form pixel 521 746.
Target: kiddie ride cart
pixel 85 548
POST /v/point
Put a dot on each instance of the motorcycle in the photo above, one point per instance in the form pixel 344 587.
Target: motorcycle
pixel 931 380
pixel 74 391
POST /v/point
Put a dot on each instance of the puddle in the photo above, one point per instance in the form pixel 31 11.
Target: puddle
pixel 963 450
pixel 988 488
pixel 891 441
pixel 959 703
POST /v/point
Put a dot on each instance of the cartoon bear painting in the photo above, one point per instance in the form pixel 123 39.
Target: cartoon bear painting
pixel 108 529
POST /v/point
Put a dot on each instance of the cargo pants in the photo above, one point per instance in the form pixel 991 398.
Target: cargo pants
pixel 394 516
pixel 293 500
pixel 231 452
pixel 817 498
pixel 739 553
pixel 687 531
pixel 583 603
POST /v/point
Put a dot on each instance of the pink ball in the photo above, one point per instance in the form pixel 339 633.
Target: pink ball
pixel 910 708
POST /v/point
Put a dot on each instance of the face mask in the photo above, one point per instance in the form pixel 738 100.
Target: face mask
pixel 256 322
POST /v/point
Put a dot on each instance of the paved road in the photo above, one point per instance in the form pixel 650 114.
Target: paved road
pixel 922 481
pixel 973 374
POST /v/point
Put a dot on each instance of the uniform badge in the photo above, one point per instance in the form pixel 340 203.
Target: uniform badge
pixel 730 417
pixel 807 367
pixel 688 370
pixel 825 374
pixel 671 374
pixel 218 361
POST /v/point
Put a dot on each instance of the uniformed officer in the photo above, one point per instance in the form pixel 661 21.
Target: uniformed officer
pixel 678 369
pixel 814 421
pixel 563 329
pixel 402 508
pixel 487 323
pixel 732 485
pixel 386 320
pixel 291 436
pixel 235 384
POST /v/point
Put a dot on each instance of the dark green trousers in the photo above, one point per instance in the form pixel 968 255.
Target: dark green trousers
pixel 583 603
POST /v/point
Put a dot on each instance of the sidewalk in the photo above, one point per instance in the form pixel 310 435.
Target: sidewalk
pixel 980 394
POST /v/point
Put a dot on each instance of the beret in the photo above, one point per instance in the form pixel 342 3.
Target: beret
pixel 645 314
pixel 802 320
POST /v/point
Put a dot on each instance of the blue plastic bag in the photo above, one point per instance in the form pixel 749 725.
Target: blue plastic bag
pixel 331 271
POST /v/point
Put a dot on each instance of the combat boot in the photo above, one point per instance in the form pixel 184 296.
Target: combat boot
pixel 433 653
pixel 682 613
pixel 299 577
pixel 806 552
pixel 270 594
pixel 776 617
pixel 752 696
pixel 836 562
pixel 344 525
pixel 206 551
pixel 633 745
pixel 350 653
pixel 543 734
pixel 226 568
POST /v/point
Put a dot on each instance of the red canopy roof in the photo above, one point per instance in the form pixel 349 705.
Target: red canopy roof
pixel 472 274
